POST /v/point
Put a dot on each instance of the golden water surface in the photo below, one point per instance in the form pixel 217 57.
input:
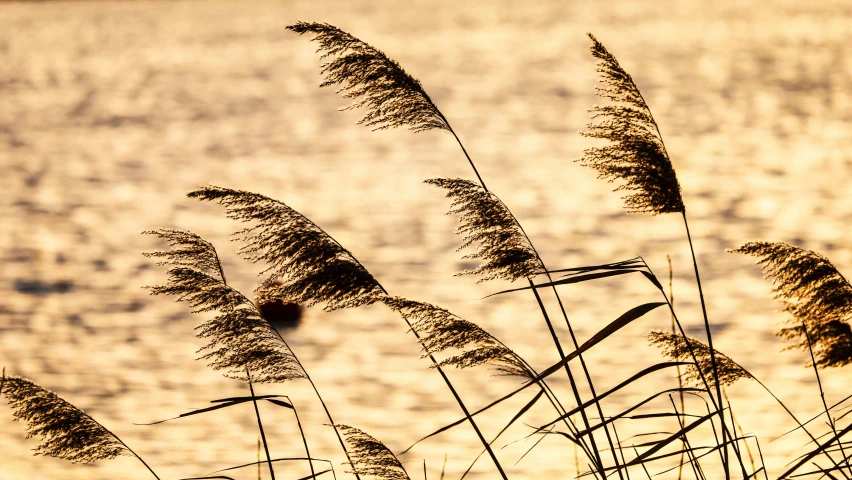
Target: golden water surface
pixel 111 111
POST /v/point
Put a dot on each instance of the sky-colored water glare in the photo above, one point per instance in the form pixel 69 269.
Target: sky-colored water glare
pixel 109 112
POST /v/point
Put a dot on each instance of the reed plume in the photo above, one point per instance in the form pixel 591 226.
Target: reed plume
pixel 440 330
pixel 636 154
pixel 815 293
pixel 239 339
pixel 305 265
pixel 316 266
pixel 485 223
pixel 392 97
pixel 675 347
pixel 371 457
pixel 66 431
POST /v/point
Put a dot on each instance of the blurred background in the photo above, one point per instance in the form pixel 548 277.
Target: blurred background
pixel 111 111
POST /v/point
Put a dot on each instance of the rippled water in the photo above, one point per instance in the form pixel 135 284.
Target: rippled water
pixel 109 112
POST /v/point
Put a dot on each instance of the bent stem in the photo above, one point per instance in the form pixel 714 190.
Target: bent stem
pixel 800 424
pixel 324 407
pixel 717 406
pixel 260 427
pixel 822 396
pixel 597 457
pixel 304 440
pixel 681 420
pixel 550 325
pixel 710 346
pixel 134 453
pixel 459 401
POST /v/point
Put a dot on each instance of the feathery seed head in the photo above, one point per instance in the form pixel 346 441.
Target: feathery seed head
pixel 187 250
pixel 392 97
pixel 636 153
pixel 487 223
pixel 440 330
pixel 675 347
pixel 370 457
pixel 239 338
pixel 305 265
pixel 66 431
pixel 814 292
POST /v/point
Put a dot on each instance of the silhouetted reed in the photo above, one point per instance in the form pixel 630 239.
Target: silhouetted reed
pixel 637 156
pixel 815 294
pixel 239 339
pixel 66 431
pixel 440 330
pixel 675 347
pixel 305 265
pixel 487 225
pixel 311 267
pixel 316 268
pixel 371 457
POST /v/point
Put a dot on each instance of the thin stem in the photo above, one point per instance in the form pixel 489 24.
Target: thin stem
pixel 3 380
pixel 621 452
pixel 691 353
pixel 304 440
pixel 822 396
pixel 134 453
pixel 331 421
pixel 643 463
pixel 709 345
pixel 481 182
pixel 461 404
pixel 456 395
pixel 322 402
pixel 681 420
pixel 736 424
pixel 570 379
pixel 795 419
pixel 260 427
pixel 686 446
pixel 735 443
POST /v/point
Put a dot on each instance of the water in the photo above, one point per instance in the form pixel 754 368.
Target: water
pixel 109 112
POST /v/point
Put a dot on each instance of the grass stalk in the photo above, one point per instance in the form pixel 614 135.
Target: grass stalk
pixel 324 407
pixel 681 420
pixel 462 405
pixel 822 397
pixel 130 450
pixel 304 440
pixel 571 380
pixel 260 427
pixel 717 406
pixel 709 345
pixel 739 427
pixel 693 461
pixel 550 325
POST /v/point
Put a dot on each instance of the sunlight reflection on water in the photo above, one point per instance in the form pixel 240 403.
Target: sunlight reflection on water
pixel 109 112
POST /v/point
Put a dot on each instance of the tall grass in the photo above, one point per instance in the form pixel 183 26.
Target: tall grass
pixel 696 436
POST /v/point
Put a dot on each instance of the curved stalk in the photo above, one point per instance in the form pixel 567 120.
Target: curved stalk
pixel 260 427
pixel 550 325
pixel 709 344
pixel 324 406
pixel 304 440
